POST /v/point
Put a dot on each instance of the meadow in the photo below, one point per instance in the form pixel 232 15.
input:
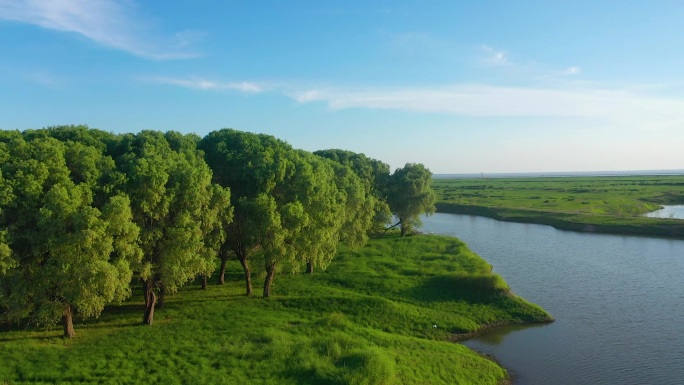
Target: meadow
pixel 387 313
pixel 614 204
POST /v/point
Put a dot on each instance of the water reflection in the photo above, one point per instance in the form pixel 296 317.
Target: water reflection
pixel 496 336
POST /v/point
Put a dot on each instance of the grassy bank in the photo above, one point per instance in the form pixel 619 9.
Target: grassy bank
pixel 380 315
pixel 591 204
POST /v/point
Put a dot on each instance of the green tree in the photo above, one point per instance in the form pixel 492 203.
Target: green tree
pixel 288 208
pixel 170 188
pixel 340 210
pixel 214 225
pixel 69 233
pixel 374 175
pixel 410 194
pixel 251 166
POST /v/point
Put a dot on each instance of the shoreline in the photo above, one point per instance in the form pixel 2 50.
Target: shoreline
pixel 660 228
pixel 510 375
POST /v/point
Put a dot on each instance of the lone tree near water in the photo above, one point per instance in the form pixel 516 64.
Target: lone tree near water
pixel 410 194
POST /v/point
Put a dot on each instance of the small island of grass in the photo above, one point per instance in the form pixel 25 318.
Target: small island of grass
pixel 383 314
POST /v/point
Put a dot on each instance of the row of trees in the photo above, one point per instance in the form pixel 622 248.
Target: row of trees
pixel 85 212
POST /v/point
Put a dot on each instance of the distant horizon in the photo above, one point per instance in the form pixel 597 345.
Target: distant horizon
pixel 664 172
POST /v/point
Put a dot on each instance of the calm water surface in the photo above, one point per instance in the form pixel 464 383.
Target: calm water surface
pixel 676 211
pixel 618 302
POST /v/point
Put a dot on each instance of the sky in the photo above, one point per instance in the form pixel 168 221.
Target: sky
pixel 460 86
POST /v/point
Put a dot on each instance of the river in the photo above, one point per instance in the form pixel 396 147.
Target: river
pixel 618 302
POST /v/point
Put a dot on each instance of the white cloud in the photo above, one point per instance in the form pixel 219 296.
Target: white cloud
pixel 209 85
pixel 107 22
pixel 494 57
pixel 570 71
pixel 619 105
pixel 308 96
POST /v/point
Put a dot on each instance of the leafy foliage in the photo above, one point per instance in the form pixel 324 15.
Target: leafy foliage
pixel 68 234
pixel 375 176
pixel 172 197
pixel 410 195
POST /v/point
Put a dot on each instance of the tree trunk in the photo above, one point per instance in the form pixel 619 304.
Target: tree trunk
pixel 403 230
pixel 222 270
pixel 270 273
pixel 162 296
pixel 309 267
pixel 204 282
pixel 150 299
pixel 68 320
pixel 248 275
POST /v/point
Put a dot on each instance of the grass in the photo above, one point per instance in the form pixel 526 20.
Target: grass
pixel 380 315
pixel 601 204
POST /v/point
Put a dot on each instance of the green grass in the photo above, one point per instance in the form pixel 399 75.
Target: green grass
pixel 369 319
pixel 600 204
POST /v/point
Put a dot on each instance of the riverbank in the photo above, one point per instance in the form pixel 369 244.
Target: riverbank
pixel 612 205
pixel 383 314
pixel 630 282
pixel 642 226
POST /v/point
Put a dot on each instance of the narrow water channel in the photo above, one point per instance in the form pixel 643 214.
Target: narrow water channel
pixel 618 302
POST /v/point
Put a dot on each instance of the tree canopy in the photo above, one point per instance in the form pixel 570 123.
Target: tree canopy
pixel 68 239
pixel 170 188
pixel 84 212
pixel 410 194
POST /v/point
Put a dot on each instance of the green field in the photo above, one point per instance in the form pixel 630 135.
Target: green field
pixel 595 204
pixel 384 314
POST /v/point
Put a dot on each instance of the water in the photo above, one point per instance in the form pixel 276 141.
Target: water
pixel 676 212
pixel 618 302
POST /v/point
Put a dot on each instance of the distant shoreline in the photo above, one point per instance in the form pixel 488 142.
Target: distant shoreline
pixel 568 222
pixel 559 174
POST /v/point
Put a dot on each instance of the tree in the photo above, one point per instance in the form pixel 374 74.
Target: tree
pixel 171 192
pixel 341 211
pixel 69 233
pixel 287 205
pixel 214 224
pixel 374 175
pixel 410 194
pixel 251 166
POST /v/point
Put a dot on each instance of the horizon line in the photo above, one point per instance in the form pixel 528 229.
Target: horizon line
pixel 651 172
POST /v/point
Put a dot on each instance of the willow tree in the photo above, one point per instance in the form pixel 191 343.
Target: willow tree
pixel 170 188
pixel 288 208
pixel 69 234
pixel 374 175
pixel 251 166
pixel 410 195
pixel 214 223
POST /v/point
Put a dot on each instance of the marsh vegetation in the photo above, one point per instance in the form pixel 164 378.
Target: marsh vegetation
pixel 593 204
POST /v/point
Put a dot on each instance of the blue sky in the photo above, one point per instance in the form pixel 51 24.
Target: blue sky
pixel 478 86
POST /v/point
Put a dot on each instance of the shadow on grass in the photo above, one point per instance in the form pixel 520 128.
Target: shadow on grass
pixel 469 288
pixel 19 337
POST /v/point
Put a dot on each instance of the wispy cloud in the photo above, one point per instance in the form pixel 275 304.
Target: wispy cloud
pixel 494 57
pixel 208 85
pixel 570 71
pixel 110 23
pixel 621 105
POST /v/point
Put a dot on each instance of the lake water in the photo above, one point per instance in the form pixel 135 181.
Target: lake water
pixel 676 211
pixel 618 302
